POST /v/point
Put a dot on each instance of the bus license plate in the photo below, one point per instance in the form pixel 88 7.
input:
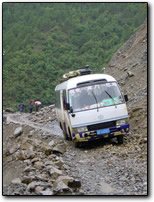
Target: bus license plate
pixel 103 131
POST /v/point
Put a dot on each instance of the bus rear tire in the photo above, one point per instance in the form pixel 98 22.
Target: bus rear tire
pixel 65 135
pixel 120 139
pixel 69 134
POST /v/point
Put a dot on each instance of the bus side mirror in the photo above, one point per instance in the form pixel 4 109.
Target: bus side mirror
pixel 71 111
pixel 126 97
pixel 67 106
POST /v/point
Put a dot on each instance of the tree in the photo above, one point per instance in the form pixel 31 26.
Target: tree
pixel 42 41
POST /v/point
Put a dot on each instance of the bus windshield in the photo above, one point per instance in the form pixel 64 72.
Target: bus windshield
pixel 95 96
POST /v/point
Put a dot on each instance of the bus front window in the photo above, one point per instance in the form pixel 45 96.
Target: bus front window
pixel 95 96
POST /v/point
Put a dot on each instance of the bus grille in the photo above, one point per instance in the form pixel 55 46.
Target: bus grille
pixel 101 125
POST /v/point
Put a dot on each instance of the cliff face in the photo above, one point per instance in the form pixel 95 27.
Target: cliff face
pixel 129 66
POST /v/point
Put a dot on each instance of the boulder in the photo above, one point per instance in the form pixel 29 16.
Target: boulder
pixel 38 189
pixel 18 131
pixel 39 165
pixel 143 141
pixel 32 185
pixel 26 146
pixel 59 148
pixel 47 150
pixel 39 186
pixel 28 179
pixel 9 109
pixel 51 143
pixel 31 133
pixel 59 163
pixel 29 169
pixel 54 172
pixel 35 160
pixel 24 154
pixel 60 188
pixel 46 192
pixel 41 177
pixel 16 181
pixel 49 163
pixel 12 149
pixel 130 74
pixel 69 181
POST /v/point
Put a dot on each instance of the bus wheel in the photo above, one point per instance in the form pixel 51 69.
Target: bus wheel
pixel 78 144
pixel 60 126
pixel 65 135
pixel 120 139
pixel 70 136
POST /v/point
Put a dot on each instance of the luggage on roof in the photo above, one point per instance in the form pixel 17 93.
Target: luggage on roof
pixel 78 72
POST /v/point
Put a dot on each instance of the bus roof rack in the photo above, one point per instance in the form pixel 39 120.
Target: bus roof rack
pixel 79 72
pixel 85 71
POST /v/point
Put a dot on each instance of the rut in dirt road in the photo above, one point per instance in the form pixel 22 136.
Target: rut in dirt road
pixel 23 119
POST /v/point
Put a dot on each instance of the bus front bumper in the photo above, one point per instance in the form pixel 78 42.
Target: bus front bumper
pixel 102 133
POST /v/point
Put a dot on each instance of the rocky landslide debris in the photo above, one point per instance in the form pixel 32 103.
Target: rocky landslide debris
pixel 43 171
pixel 131 73
pixel 45 115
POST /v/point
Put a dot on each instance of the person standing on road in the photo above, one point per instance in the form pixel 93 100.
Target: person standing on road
pixel 37 104
pixel 21 107
pixel 31 104
pixel 37 107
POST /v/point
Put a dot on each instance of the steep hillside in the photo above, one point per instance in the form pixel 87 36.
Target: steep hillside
pixel 129 67
pixel 42 41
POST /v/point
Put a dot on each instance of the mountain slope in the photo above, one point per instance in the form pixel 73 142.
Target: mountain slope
pixel 42 41
pixel 129 66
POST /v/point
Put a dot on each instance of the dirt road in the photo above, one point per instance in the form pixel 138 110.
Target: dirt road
pixel 102 167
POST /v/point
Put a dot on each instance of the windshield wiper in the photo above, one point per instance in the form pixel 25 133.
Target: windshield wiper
pixel 95 99
pixel 111 98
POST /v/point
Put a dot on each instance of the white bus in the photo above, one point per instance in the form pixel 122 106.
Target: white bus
pixel 90 107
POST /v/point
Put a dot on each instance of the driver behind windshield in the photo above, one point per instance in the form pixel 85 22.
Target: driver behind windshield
pixel 86 98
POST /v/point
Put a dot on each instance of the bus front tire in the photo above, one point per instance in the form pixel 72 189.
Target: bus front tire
pixel 120 139
pixel 78 144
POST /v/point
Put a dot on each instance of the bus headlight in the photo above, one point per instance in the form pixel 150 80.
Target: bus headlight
pixel 120 122
pixel 82 129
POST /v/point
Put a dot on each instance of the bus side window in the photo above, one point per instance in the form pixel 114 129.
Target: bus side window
pixel 64 103
pixel 58 99
pixel 64 99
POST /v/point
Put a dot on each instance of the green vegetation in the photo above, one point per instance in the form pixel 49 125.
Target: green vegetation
pixel 42 41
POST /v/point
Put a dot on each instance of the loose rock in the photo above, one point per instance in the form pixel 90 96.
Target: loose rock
pixel 18 131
